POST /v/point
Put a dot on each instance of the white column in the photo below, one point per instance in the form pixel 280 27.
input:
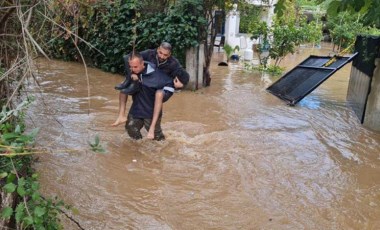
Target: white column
pixel 270 15
pixel 232 28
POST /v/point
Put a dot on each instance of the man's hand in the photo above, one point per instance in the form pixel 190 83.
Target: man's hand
pixel 150 134
pixel 134 77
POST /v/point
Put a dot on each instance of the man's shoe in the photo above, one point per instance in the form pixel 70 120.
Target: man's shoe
pixel 123 85
pixel 132 88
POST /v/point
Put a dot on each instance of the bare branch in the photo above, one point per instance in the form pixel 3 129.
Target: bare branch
pixel 10 35
pixel 87 77
pixel 27 22
pixel 69 31
pixel 5 18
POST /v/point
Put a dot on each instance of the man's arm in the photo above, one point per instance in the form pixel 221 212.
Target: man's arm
pixel 174 65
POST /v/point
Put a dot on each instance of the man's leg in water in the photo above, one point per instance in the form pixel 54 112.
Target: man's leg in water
pixel 158 134
pixel 159 97
pixel 133 127
pixel 122 107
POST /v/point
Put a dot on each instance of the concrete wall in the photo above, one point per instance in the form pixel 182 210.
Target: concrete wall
pixel 372 112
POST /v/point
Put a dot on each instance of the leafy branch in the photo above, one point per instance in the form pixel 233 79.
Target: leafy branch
pixel 96 146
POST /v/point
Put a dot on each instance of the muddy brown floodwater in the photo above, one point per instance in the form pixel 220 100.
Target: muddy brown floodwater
pixel 236 157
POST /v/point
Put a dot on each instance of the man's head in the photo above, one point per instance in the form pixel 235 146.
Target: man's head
pixel 136 63
pixel 164 51
pixel 181 78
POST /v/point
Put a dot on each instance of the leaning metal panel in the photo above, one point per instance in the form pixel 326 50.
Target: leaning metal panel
pixel 306 77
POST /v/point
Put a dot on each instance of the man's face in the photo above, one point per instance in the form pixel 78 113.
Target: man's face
pixel 136 65
pixel 162 54
pixel 177 83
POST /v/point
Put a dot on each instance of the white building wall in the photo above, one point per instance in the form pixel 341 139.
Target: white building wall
pixel 233 37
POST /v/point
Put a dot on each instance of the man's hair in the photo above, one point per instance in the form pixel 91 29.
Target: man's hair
pixel 167 46
pixel 182 75
pixel 134 55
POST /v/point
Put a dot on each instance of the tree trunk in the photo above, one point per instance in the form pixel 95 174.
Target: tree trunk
pixel 208 35
pixel 208 50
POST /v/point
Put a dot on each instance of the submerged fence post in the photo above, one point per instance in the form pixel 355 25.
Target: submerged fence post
pixel 363 93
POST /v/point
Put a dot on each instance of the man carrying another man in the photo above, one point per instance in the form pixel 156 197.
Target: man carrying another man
pixel 156 88
pixel 161 58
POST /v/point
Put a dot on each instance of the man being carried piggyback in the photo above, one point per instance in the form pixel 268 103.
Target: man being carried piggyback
pixel 151 88
pixel 160 58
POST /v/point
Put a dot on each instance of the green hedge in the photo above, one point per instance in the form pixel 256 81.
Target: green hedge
pixel 112 28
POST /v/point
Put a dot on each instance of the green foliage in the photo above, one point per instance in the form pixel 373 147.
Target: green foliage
pixel 96 146
pixel 369 9
pixel 344 28
pixel 34 212
pixel 274 70
pixel 16 141
pixel 306 3
pixel 107 26
pixel 287 34
pixel 249 16
pixel 371 16
pixel 229 50
pixel 281 7
pixel 271 69
pixel 348 18
pixel 289 30
pixel 17 112
pixel 116 28
pixel 17 177
pixel 371 30
pixel 178 27
pixel 312 32
pixel 259 30
pixel 285 40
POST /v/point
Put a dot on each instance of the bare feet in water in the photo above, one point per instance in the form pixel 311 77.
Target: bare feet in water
pixel 119 121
